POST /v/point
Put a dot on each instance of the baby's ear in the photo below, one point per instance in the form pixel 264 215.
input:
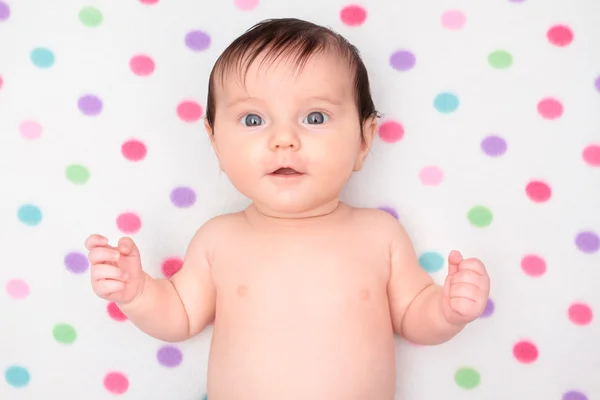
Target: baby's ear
pixel 369 129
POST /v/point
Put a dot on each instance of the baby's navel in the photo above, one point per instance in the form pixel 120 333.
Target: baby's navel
pixel 365 294
pixel 242 290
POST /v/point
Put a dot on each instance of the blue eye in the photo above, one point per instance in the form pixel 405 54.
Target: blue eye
pixel 251 120
pixel 315 118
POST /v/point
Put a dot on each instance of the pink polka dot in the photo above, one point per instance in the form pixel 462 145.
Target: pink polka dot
pixel 30 129
pixel 580 314
pixel 171 266
pixel 115 312
pixel 391 131
pixel 129 223
pixel 17 289
pixel 189 111
pixel 533 265
pixel 148 2
pixel 550 108
pixel 591 155
pixel 134 150
pixel 116 382
pixel 538 191
pixel 525 352
pixel 453 19
pixel 246 5
pixel 560 35
pixel 1 82
pixel 431 176
pixel 141 65
pixel 353 15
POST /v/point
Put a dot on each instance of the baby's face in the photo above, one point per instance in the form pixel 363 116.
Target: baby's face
pixel 304 119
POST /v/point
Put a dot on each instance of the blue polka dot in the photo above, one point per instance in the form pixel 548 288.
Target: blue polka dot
pixel 445 102
pixel 17 376
pixel 205 397
pixel 431 261
pixel 42 57
pixel 29 214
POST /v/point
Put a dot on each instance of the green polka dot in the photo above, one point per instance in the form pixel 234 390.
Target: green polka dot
pixel 78 174
pixel 90 16
pixel 64 333
pixel 480 216
pixel 431 261
pixel 500 59
pixel 467 378
pixel 29 214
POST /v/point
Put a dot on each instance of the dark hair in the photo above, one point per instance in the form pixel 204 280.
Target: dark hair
pixel 296 37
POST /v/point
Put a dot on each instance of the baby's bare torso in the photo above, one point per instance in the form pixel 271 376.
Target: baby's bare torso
pixel 302 313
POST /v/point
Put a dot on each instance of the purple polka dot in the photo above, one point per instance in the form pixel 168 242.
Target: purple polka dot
pixel 588 242
pixel 574 395
pixel 90 105
pixel 197 40
pixel 597 83
pixel 493 146
pixel 489 309
pixel 76 262
pixel 402 60
pixel 516 1
pixel 390 211
pixel 4 11
pixel 183 197
pixel 169 356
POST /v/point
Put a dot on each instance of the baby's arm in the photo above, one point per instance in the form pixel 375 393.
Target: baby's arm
pixel 416 302
pixel 176 309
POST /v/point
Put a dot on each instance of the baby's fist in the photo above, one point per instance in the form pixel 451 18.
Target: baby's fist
pixel 466 289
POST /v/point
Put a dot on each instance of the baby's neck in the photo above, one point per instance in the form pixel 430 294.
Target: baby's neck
pixel 325 213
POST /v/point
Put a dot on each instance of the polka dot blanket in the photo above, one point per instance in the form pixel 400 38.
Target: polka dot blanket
pixel 489 143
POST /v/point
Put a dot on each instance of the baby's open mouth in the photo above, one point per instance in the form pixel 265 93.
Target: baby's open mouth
pixel 285 171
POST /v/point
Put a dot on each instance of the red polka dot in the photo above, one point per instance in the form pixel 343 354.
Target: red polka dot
pixel 170 266
pixel 538 191
pixel 189 111
pixel 550 108
pixel 391 131
pixel 134 150
pixel 115 312
pixel 129 223
pixel 353 15
pixel 560 35
pixel 591 155
pixel 580 314
pixel 525 352
pixel 116 382
pixel 141 65
pixel 533 265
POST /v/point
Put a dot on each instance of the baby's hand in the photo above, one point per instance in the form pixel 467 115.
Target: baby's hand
pixel 466 289
pixel 116 272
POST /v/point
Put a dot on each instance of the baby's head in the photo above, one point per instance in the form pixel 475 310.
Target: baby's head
pixel 290 94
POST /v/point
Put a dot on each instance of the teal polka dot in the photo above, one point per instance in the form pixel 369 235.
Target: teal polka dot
pixel 445 102
pixel 42 57
pixel 17 376
pixel 29 214
pixel 431 261
pixel 205 397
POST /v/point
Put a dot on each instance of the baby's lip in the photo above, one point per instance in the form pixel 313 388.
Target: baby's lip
pixel 286 171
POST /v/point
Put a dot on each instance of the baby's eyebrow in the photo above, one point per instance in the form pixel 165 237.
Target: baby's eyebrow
pixel 244 99
pixel 326 99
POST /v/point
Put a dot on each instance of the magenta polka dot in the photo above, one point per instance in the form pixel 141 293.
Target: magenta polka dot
pixel 76 262
pixel 197 40
pixel 169 356
pixel 90 105
pixel 493 146
pixel 402 60
pixel 183 197
pixel 587 242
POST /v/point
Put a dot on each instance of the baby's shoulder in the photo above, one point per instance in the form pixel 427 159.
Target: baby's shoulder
pixel 218 228
pixel 375 218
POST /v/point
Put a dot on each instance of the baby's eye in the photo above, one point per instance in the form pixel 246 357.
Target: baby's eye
pixel 251 120
pixel 315 117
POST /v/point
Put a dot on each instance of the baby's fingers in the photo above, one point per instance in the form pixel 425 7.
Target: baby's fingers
pixel 107 287
pixel 101 255
pixel 107 272
pixel 95 240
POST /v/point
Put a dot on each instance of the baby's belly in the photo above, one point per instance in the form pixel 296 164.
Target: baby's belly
pixel 322 345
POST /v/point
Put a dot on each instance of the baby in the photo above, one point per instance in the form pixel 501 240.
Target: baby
pixel 306 292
